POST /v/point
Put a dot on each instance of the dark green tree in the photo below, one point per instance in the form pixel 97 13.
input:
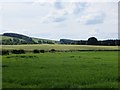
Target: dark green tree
pixel 92 41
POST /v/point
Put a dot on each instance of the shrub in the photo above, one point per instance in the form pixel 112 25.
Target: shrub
pixel 52 50
pixel 42 51
pixel 18 51
pixel 36 51
pixel 4 52
pixel 22 51
pixel 0 52
pixel 14 51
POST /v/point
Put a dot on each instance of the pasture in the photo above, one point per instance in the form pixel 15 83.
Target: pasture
pixel 60 69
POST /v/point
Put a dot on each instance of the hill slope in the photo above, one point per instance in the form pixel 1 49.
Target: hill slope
pixel 14 39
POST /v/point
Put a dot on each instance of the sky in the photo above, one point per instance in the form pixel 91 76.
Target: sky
pixel 60 19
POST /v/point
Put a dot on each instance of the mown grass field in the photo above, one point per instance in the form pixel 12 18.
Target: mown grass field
pixel 58 47
pixel 60 69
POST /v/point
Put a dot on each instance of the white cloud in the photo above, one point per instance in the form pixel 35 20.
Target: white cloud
pixel 64 11
pixel 85 13
pixel 54 16
pixel 92 18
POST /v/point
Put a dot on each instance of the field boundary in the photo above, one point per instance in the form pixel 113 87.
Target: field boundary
pixel 7 52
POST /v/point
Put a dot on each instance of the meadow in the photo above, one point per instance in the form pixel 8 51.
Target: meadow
pixel 57 47
pixel 96 69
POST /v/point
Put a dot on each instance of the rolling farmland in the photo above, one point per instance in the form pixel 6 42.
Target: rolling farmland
pixel 78 69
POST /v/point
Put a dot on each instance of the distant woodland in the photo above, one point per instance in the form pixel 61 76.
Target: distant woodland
pixel 18 39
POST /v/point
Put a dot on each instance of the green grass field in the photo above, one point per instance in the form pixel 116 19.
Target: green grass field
pixel 60 70
pixel 58 47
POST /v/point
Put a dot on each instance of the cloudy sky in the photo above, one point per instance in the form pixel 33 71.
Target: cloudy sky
pixel 56 19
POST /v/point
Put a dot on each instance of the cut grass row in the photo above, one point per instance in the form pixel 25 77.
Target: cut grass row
pixel 57 47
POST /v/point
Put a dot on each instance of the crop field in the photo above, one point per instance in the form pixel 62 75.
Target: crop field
pixel 58 47
pixel 60 69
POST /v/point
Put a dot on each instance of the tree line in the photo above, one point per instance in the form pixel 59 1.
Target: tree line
pixel 91 41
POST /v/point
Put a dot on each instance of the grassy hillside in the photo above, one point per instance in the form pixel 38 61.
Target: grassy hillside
pixel 44 41
pixel 7 37
pixel 58 47
pixel 9 40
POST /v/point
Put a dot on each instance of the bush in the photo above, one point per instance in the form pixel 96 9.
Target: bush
pixel 52 50
pixel 18 51
pixel 14 51
pixel 22 51
pixel 36 51
pixel 4 52
pixel 42 51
